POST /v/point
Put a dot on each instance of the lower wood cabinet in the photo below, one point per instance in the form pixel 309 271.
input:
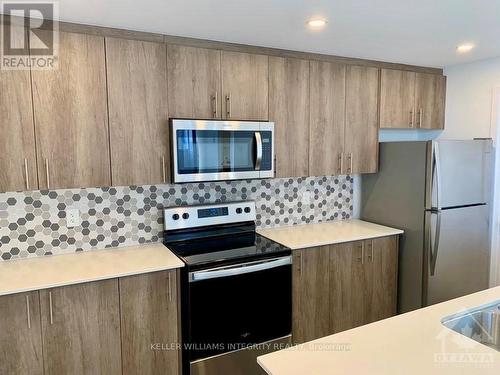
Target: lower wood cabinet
pixel 149 323
pixel 343 286
pixel 126 326
pixel 20 335
pixel 81 329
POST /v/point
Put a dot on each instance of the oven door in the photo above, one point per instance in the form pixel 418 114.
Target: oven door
pixel 233 307
pixel 221 150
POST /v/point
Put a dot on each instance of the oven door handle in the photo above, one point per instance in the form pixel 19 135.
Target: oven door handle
pixel 240 269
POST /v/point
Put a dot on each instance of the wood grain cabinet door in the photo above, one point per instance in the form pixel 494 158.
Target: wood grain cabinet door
pixel 150 324
pixel 17 133
pixel 194 82
pixel 20 335
pixel 327 118
pixel 311 307
pixel 289 109
pixel 71 118
pixel 341 290
pixel 385 277
pixel 138 113
pixel 81 329
pixel 361 284
pixel 397 99
pixel 430 96
pixel 361 120
pixel 245 86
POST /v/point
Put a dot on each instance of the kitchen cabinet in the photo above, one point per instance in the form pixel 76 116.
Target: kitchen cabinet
pixel 361 120
pixel 411 99
pixel 138 114
pixel 430 94
pixel 81 329
pixel 397 99
pixel 194 83
pixel 327 118
pixel 342 286
pixel 17 142
pixel 71 117
pixel 245 89
pixel 149 315
pixel 20 335
pixel 289 110
pixel 310 294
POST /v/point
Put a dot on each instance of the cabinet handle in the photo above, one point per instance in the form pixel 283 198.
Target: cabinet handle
pixel 163 171
pixel 372 252
pixel 214 104
pixel 169 288
pixel 411 118
pixel 349 158
pixel 370 255
pixel 362 252
pixel 341 161
pixel 420 115
pixel 275 165
pixel 47 174
pixel 28 314
pixel 51 310
pixel 228 105
pixel 301 264
pixel 26 174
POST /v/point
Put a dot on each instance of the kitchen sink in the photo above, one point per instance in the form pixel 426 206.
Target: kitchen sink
pixel 481 324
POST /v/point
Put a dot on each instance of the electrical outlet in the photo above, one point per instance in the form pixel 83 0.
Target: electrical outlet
pixel 72 217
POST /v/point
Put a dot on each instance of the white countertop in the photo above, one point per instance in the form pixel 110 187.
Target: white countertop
pixel 413 343
pixel 327 233
pixel 53 271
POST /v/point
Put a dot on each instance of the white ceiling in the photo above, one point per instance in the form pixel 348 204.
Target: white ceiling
pixel 420 32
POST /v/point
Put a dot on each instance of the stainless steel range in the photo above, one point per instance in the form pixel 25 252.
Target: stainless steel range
pixel 236 289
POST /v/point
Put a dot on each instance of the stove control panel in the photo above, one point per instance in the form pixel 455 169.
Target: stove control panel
pixel 204 215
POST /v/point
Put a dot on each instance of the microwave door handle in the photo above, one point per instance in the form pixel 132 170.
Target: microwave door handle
pixel 240 269
pixel 258 157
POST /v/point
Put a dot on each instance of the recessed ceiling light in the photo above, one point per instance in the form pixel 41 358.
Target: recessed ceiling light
pixel 466 47
pixel 316 23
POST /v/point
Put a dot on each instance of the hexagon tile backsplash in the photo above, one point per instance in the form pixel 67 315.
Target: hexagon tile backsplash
pixel 34 223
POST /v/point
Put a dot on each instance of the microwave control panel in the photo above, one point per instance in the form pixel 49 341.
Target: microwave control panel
pixel 267 151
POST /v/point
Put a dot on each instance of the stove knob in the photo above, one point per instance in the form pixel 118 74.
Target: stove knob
pixel 185 215
pixel 175 216
pixel 239 210
pixel 247 209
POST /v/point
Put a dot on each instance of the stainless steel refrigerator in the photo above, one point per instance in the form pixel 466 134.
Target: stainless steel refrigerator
pixel 438 192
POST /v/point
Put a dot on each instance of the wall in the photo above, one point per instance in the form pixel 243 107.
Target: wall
pixel 34 223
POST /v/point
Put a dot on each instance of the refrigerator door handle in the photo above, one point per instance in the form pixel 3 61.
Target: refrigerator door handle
pixel 436 174
pixel 434 247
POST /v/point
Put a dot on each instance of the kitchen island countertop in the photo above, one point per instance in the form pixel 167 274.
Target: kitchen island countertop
pixel 414 343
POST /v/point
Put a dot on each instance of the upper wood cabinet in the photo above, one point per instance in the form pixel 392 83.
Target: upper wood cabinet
pixel 430 96
pixel 327 118
pixel 20 335
pixel 289 110
pixel 397 99
pixel 71 118
pixel 149 315
pixel 17 139
pixel 245 88
pixel 81 329
pixel 361 120
pixel 138 112
pixel 412 100
pixel 194 83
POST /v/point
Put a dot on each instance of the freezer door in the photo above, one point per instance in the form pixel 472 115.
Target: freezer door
pixel 459 264
pixel 460 173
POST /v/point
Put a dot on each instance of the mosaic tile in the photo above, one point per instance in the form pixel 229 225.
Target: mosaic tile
pixel 34 223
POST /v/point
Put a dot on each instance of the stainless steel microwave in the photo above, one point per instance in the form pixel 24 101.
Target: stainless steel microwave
pixel 213 150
